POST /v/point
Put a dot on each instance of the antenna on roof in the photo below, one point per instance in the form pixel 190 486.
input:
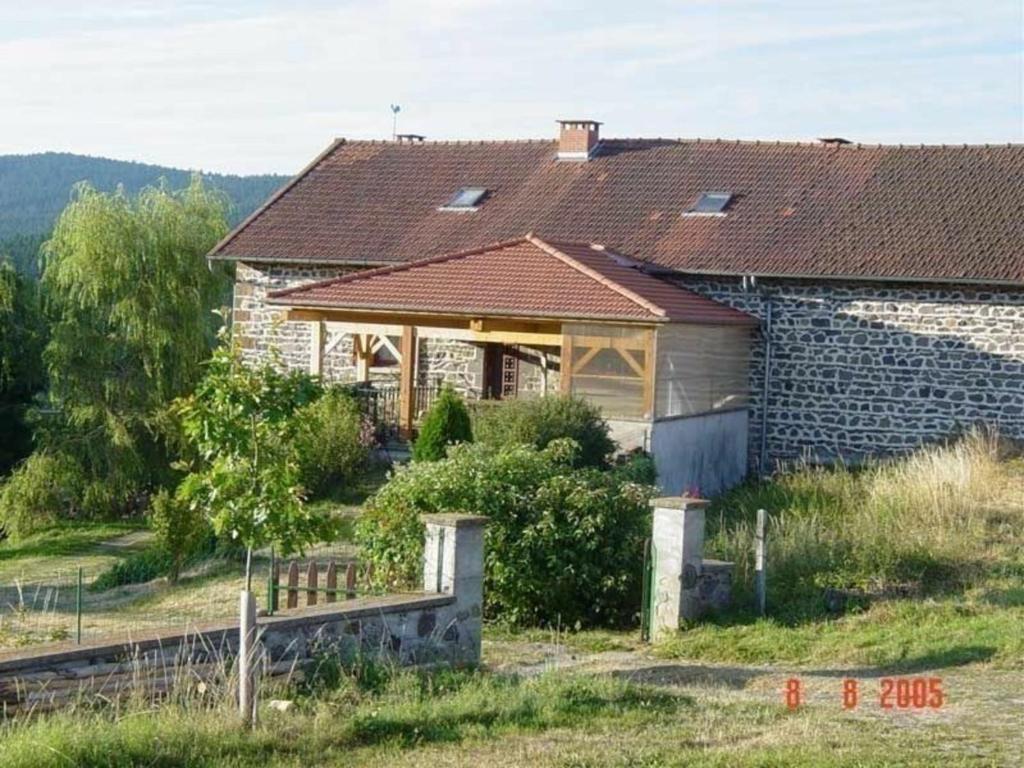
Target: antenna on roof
pixel 395 109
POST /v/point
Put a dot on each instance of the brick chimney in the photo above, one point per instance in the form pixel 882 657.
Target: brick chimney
pixel 577 139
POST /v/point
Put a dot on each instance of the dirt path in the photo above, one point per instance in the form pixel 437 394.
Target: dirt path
pixel 982 714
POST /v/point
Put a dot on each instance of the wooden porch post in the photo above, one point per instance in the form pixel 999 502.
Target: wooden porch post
pixel 361 342
pixel 565 365
pixel 650 370
pixel 407 390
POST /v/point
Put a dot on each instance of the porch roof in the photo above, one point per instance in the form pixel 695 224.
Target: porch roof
pixel 523 278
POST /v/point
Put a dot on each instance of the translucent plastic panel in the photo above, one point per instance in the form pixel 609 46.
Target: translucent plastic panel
pixel 701 368
pixel 610 368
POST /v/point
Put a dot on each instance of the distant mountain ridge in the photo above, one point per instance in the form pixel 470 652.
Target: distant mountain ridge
pixel 35 188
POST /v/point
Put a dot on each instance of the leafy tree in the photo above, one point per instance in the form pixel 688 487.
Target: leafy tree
pixel 22 335
pixel 240 421
pixel 181 530
pixel 130 295
pixel 446 423
pixel 39 492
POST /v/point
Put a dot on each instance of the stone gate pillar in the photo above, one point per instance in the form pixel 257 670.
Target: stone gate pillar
pixel 678 552
pixel 453 564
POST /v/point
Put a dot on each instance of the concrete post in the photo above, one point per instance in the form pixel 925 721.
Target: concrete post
pixel 453 564
pixel 678 547
pixel 246 652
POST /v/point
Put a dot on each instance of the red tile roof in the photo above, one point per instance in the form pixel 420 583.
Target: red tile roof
pixel 946 213
pixel 527 277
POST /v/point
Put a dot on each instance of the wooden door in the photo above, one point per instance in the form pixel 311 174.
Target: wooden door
pixel 501 371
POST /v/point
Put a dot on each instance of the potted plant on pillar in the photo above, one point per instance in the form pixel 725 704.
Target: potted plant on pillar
pixel 245 476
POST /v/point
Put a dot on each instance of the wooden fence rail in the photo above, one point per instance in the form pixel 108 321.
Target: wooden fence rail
pixel 331 592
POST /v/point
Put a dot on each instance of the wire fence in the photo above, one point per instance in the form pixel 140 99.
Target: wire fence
pixel 70 606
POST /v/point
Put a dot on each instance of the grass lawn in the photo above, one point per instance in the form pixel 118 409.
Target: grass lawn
pixel 480 719
pixel 950 526
pixel 38 578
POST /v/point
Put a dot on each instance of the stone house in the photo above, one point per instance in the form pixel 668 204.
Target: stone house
pixel 870 298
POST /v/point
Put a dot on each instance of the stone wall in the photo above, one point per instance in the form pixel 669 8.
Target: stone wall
pixel 857 368
pixel 441 624
pixel 865 368
pixel 411 629
pixel 260 328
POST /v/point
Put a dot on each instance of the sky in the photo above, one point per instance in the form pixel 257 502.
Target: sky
pixel 256 86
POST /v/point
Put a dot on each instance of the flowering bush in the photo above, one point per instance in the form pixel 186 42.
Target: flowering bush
pixel 563 544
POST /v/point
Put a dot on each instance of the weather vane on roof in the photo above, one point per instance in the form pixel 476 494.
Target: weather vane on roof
pixel 395 109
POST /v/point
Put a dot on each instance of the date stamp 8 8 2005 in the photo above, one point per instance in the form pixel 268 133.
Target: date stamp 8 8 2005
pixel 895 693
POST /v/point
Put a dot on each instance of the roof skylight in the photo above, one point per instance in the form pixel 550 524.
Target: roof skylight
pixel 466 199
pixel 710 204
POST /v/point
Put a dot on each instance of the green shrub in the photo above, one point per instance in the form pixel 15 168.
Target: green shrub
pixel 332 442
pixel 138 568
pixel 40 491
pixel 446 424
pixel 540 420
pixel 637 467
pixel 181 530
pixel 563 544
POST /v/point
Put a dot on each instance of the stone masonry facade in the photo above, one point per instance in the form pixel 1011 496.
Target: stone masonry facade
pixel 858 368
pixel 863 369
pixel 263 333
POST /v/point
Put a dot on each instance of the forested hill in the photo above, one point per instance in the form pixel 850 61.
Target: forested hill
pixel 35 188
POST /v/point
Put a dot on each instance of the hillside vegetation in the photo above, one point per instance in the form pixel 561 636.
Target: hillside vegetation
pixel 34 189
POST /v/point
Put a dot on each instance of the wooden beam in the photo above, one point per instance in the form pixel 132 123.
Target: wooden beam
pixel 627 355
pixel 363 356
pixel 386 342
pixel 517 337
pixel 612 342
pixel 589 355
pixel 650 376
pixel 392 320
pixel 316 348
pixel 565 384
pixel 407 389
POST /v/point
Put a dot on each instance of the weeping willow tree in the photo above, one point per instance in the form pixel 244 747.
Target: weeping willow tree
pixel 22 334
pixel 131 301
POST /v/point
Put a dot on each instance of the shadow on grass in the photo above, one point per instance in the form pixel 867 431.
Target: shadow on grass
pixel 957 656
pixel 1012 597
pixel 736 678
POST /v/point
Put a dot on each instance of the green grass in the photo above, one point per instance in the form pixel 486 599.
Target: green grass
pixel 901 635
pixel 465 718
pixel 67 545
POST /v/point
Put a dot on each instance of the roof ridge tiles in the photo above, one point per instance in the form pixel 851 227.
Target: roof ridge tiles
pixel 688 140
pixel 593 274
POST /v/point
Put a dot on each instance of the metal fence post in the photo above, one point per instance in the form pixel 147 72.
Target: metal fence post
pixel 760 556
pixel 271 584
pixel 78 609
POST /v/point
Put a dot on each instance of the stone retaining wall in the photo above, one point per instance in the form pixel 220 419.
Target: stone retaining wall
pixel 442 624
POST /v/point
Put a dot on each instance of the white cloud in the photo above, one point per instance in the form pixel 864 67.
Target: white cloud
pixel 260 86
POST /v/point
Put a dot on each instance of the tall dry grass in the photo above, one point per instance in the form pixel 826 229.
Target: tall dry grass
pixel 933 520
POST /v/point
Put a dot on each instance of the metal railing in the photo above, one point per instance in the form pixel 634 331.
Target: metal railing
pixel 382 402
